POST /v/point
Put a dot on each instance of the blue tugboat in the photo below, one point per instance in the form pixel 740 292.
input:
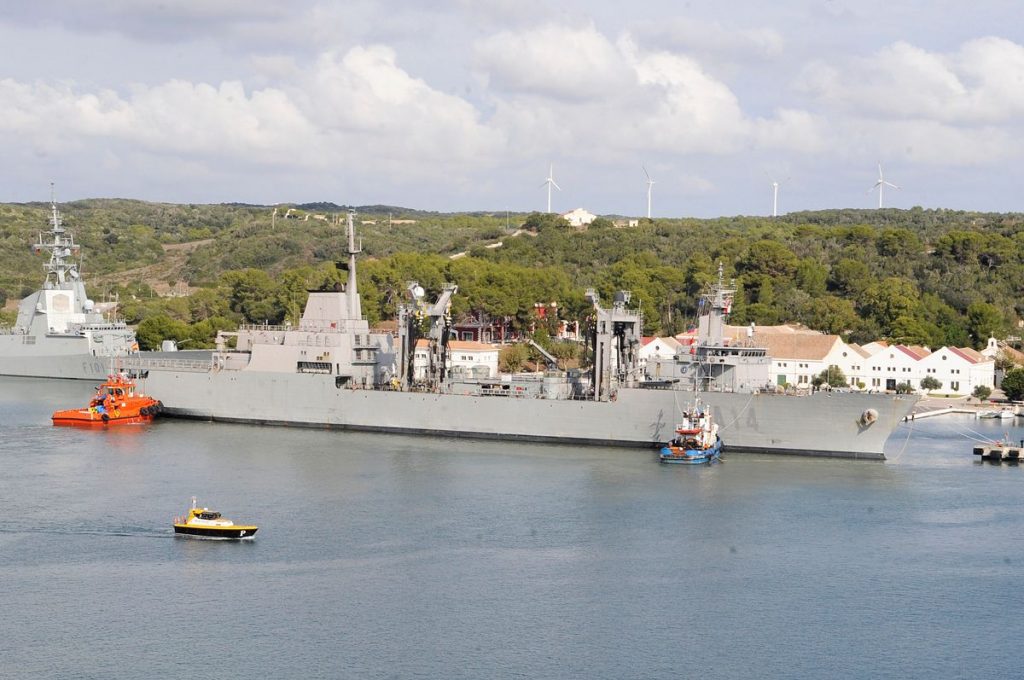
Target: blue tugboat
pixel 696 440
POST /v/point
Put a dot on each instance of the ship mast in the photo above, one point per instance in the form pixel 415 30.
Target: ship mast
pixel 355 310
pixel 61 246
pixel 715 307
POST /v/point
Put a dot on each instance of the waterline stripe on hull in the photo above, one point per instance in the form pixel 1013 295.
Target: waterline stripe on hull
pixel 490 436
pixel 230 532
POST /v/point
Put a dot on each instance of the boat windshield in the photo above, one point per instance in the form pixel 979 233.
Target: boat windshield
pixel 209 515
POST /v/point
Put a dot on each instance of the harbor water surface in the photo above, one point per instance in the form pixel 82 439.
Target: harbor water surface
pixel 383 556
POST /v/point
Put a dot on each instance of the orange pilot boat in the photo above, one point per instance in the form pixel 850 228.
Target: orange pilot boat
pixel 116 403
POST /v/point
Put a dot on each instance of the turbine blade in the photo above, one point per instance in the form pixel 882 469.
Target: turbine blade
pixel 890 184
pixel 555 185
pixel 646 173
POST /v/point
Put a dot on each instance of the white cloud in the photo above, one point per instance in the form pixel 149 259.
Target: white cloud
pixel 175 117
pixel 553 61
pixel 367 93
pixel 687 110
pixel 926 142
pixel 793 130
pixel 708 38
pixel 608 101
pixel 163 20
pixel 357 106
pixel 983 82
pixel 348 94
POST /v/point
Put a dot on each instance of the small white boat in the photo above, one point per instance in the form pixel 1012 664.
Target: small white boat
pixel 1001 414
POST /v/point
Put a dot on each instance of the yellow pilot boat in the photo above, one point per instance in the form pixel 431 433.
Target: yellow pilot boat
pixel 206 523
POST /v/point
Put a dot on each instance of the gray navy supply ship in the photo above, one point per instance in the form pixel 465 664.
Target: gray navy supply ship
pixel 331 371
pixel 59 333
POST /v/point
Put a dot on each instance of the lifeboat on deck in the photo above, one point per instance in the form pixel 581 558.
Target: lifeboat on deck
pixel 116 402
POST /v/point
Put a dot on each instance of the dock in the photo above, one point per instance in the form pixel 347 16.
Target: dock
pixel 938 412
pixel 996 453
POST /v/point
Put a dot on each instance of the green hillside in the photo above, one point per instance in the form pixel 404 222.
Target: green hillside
pixel 918 276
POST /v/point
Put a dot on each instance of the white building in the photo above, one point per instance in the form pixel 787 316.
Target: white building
pixel 657 348
pixel 472 359
pixel 959 369
pixel 799 354
pixel 466 359
pixel 579 217
pixel 420 360
pixel 797 358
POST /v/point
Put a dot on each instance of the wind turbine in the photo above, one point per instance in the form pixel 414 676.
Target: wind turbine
pixel 650 184
pixel 775 195
pixel 880 185
pixel 550 182
pixel 775 192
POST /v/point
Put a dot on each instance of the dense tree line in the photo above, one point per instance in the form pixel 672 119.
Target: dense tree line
pixel 932 277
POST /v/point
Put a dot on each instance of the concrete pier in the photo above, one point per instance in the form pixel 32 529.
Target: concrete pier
pixel 997 453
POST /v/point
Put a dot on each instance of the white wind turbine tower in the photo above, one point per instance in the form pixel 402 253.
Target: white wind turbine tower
pixel 550 182
pixel 775 195
pixel 775 192
pixel 650 185
pixel 880 185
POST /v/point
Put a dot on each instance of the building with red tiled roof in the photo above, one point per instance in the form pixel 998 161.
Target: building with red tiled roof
pixel 657 348
pixel 799 354
pixel 466 358
pixel 959 369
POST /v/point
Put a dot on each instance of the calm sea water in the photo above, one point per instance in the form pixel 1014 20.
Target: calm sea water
pixel 398 557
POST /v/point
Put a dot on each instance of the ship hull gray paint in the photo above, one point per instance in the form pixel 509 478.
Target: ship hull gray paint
pixel 46 364
pixel 821 424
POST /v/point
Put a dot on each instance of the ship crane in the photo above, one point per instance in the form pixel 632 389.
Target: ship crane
pixel 552 362
pixel 437 316
pixel 615 344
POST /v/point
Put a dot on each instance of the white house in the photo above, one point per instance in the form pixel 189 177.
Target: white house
pixel 420 360
pixel 466 359
pixel 472 359
pixel 959 369
pixel 799 354
pixel 797 358
pixel 892 365
pixel 659 348
pixel 579 217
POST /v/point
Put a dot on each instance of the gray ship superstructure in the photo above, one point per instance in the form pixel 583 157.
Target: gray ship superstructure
pixel 332 371
pixel 59 333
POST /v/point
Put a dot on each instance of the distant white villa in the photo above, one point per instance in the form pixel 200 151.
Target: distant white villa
pixel 579 217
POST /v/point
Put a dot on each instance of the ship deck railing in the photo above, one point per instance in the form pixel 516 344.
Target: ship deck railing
pixel 167 364
pixel 340 326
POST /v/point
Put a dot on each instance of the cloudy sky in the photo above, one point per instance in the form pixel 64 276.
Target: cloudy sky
pixel 463 104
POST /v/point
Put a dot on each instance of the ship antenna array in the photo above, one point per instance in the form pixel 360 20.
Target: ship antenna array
pixel 61 246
